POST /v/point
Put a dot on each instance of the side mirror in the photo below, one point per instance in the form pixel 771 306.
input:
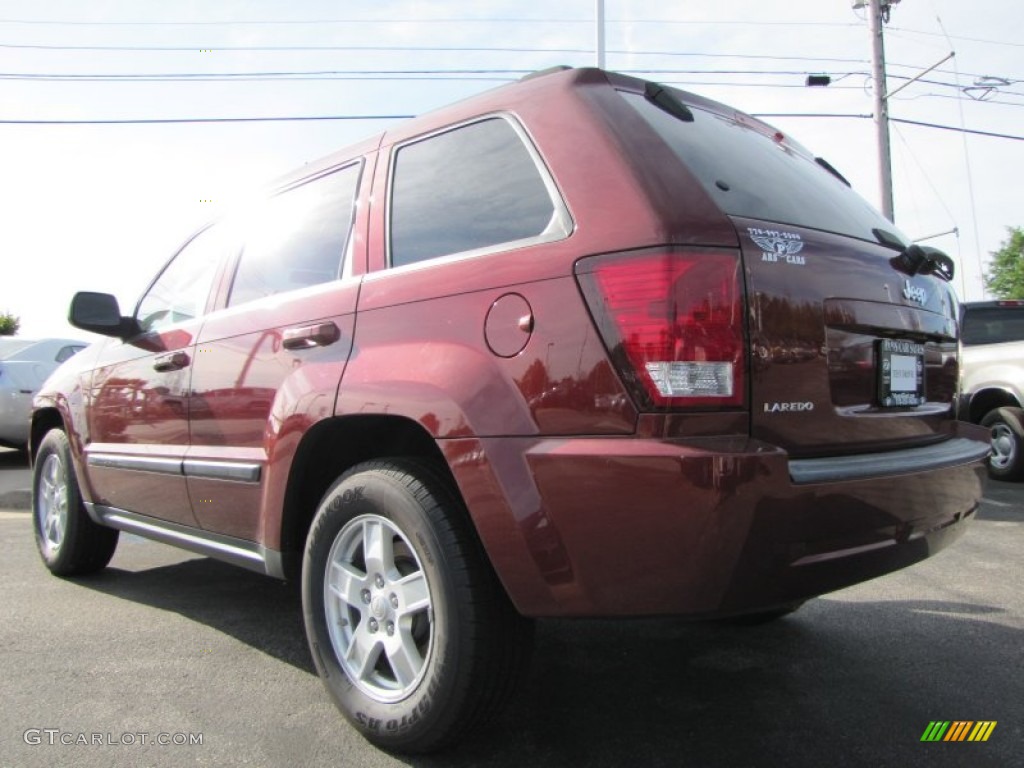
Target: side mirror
pixel 99 313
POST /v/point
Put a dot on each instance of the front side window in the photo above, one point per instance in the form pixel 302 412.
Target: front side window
pixel 473 187
pixel 181 291
pixel 297 238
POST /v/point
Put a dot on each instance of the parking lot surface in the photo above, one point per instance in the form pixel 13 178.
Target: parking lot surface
pixel 167 644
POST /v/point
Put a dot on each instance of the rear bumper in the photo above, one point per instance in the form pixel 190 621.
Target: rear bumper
pixel 714 526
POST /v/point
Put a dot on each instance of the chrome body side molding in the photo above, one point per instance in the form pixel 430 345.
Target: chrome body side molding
pixel 236 471
pixel 248 554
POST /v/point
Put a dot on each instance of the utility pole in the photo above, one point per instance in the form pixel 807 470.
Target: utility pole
pixel 600 33
pixel 878 11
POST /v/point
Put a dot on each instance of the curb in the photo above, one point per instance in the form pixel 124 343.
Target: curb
pixel 16 500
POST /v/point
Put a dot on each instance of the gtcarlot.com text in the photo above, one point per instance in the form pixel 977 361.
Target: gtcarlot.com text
pixel 57 737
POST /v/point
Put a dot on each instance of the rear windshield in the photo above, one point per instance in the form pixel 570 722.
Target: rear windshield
pixel 763 179
pixel 992 325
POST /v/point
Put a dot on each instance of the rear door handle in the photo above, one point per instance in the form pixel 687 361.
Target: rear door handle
pixel 306 336
pixel 174 361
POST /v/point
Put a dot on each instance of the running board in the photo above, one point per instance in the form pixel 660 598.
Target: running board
pixel 247 554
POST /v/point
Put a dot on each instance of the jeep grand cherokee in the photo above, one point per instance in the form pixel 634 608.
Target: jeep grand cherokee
pixel 579 346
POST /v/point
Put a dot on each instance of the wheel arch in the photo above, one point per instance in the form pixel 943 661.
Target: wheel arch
pixel 43 420
pixel 985 400
pixel 332 447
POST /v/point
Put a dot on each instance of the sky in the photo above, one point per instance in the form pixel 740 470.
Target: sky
pixel 101 206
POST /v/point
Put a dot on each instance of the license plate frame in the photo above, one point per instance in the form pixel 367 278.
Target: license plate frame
pixel 901 373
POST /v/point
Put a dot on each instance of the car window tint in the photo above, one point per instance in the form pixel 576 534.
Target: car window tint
pixel 181 291
pixel 298 238
pixel 67 352
pixel 468 188
pixel 993 325
pixel 749 174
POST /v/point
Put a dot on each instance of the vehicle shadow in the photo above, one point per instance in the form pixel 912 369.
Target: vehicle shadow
pixel 261 612
pixel 11 459
pixel 856 679
pixel 838 683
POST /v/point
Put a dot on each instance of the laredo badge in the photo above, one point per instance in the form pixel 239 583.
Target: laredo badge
pixel 778 246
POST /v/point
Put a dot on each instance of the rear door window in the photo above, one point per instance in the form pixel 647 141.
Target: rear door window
pixel 478 186
pixel 298 238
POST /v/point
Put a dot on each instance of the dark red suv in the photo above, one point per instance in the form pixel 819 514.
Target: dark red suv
pixel 579 346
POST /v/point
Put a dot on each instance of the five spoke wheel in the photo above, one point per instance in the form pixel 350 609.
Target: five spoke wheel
pixel 52 502
pixel 378 606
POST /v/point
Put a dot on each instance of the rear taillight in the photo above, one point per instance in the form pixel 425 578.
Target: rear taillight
pixel 672 322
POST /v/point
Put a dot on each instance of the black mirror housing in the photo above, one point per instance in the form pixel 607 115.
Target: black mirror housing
pixel 99 313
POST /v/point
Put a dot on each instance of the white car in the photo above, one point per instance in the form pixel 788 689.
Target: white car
pixel 992 380
pixel 24 365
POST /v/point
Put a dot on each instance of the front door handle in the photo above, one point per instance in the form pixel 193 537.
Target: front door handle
pixel 174 361
pixel 306 336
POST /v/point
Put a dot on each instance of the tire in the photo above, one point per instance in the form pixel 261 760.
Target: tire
pixel 69 542
pixel 1007 459
pixel 413 635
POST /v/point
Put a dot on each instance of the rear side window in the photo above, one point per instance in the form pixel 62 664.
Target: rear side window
pixel 749 174
pixel 298 238
pixel 993 325
pixel 477 186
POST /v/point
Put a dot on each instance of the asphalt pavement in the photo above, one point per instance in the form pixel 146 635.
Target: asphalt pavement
pixel 15 480
pixel 168 646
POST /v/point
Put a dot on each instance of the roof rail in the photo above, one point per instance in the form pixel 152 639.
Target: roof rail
pixel 544 72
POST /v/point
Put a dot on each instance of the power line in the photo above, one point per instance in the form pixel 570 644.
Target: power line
pixel 160 121
pixel 955 37
pixel 955 128
pixel 809 114
pixel 308 118
pixel 471 20
pixel 149 76
pixel 229 75
pixel 991 134
pixel 458 49
pixel 206 47
pixel 249 48
pixel 438 20
pixel 416 48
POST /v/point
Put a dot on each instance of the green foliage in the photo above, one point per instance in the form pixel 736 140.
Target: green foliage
pixel 1005 277
pixel 9 324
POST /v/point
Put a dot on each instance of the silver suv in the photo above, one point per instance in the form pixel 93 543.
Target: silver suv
pixel 992 380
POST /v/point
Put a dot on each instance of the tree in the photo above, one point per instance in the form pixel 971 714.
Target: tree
pixel 9 324
pixel 1005 277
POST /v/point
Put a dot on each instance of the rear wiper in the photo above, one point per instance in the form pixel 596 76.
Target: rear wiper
pixel 924 260
pixel 889 240
pixel 829 167
pixel 660 97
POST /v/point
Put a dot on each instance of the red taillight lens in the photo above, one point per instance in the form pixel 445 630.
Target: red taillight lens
pixel 673 324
